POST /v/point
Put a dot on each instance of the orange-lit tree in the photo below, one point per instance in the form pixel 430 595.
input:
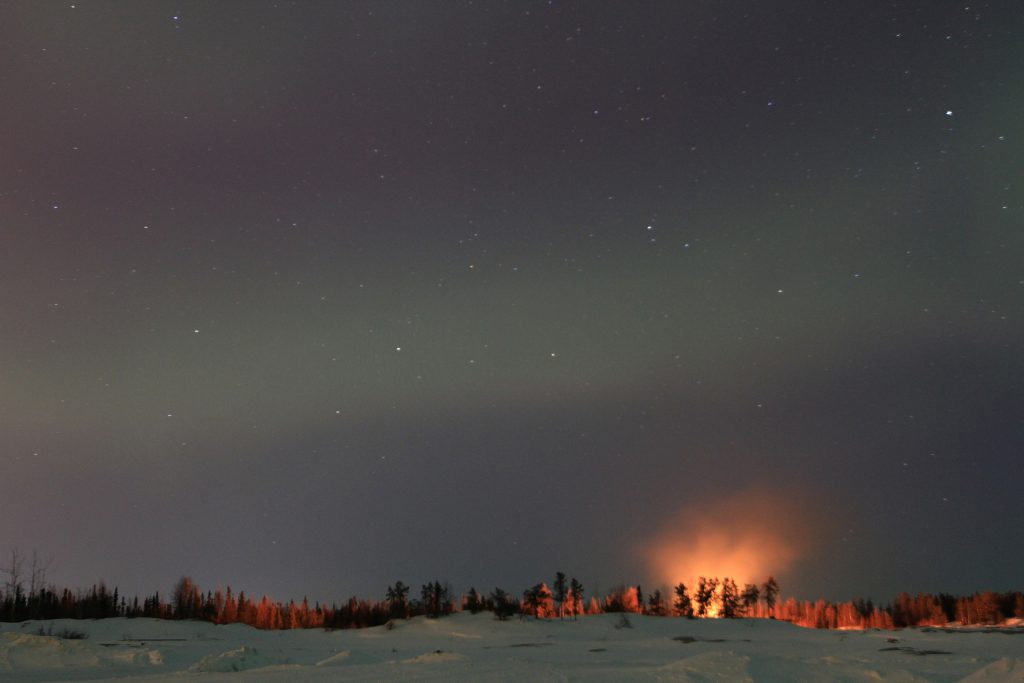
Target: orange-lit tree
pixel 575 597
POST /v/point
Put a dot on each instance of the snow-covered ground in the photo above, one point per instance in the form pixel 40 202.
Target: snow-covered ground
pixel 466 647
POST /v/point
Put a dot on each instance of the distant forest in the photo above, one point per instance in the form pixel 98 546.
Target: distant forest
pixel 26 596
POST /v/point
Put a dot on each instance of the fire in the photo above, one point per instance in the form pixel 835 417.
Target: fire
pixel 746 537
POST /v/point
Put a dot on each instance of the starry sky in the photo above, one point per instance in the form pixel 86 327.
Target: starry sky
pixel 308 297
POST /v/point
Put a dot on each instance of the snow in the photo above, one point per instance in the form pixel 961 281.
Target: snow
pixel 479 648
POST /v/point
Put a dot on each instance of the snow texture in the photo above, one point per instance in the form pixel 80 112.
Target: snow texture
pixel 468 647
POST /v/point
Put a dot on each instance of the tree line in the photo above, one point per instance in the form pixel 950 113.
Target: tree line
pixel 564 599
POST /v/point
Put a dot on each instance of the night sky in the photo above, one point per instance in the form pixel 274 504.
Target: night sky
pixel 309 297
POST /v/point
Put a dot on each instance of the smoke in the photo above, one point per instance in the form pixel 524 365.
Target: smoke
pixel 747 537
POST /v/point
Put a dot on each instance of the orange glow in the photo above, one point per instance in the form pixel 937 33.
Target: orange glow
pixel 747 537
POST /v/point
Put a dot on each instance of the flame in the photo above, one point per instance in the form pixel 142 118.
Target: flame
pixel 747 537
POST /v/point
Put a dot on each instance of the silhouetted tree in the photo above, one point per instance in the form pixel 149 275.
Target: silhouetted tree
pixel 682 604
pixel 559 593
pixel 531 600
pixel 615 601
pixel 436 599
pixel 655 604
pixel 472 603
pixel 503 604
pixel 397 598
pixel 213 605
pixel 14 583
pixel 705 593
pixel 576 595
pixel 770 591
pixel 749 597
pixel 730 599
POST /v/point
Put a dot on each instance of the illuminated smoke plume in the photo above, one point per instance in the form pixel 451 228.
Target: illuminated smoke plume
pixel 746 536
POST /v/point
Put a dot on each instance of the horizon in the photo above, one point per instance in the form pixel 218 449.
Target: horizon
pixel 460 591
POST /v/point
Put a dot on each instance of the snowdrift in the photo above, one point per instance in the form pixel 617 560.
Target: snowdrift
pixel 479 648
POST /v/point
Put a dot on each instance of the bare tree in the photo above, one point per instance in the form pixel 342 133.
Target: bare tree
pixel 38 570
pixel 14 584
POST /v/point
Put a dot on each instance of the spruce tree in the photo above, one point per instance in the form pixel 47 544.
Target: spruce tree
pixel 398 600
pixel 705 593
pixel 577 597
pixel 682 603
pixel 655 604
pixel 730 599
pixel 472 602
pixel 503 605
